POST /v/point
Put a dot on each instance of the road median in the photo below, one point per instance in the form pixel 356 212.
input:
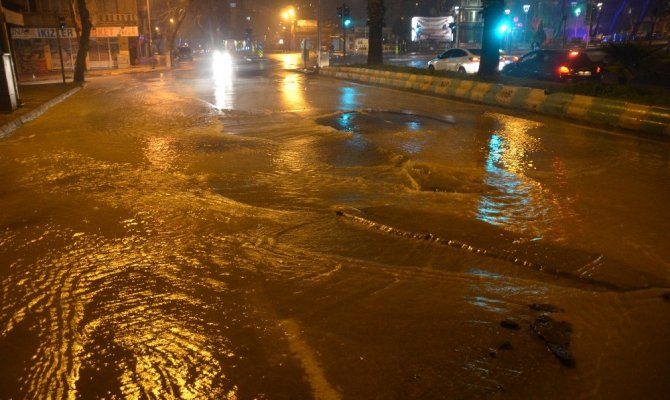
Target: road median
pixel 648 119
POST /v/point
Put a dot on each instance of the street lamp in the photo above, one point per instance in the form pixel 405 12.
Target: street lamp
pixel 288 14
pixel 526 8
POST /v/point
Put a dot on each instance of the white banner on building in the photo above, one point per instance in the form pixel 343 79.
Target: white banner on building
pixel 432 28
pixel 50 33
pixel 113 31
pixel 41 33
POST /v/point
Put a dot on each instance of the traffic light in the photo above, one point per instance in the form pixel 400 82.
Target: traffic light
pixel 343 13
pixel 452 26
pixel 61 23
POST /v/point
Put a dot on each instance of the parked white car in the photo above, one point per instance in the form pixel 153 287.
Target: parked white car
pixel 463 60
pixel 460 60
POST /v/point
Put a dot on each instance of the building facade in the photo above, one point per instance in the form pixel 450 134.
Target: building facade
pixel 47 39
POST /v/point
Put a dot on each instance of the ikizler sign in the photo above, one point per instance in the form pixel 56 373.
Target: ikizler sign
pixel 41 33
pixel 50 33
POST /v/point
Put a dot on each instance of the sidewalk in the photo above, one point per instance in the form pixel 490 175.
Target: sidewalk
pixel 40 94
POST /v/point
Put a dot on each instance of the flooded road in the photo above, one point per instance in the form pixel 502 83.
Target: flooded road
pixel 265 234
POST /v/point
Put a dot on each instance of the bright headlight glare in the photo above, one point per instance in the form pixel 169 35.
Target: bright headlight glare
pixel 222 65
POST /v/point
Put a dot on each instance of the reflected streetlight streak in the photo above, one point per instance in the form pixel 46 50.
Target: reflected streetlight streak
pixel 289 61
pixel 222 71
pixel 161 152
pixel 292 93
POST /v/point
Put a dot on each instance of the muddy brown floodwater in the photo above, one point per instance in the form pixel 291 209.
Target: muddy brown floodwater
pixel 273 235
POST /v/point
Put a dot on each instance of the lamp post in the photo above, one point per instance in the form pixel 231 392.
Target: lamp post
pixel 507 33
pixel 526 8
pixel 578 12
pixel 149 26
pixel 458 28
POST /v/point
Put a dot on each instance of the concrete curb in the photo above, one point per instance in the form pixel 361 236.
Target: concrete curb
pixel 10 127
pixel 593 110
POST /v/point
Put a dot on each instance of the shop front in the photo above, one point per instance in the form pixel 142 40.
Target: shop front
pixel 37 53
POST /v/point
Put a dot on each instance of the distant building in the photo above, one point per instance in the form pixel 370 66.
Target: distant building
pixel 470 23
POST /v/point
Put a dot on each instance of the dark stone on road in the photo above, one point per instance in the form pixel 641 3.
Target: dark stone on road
pixel 510 324
pixel 556 334
pixel 507 345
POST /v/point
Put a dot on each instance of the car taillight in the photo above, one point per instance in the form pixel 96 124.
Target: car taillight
pixel 474 59
pixel 563 70
pixel 574 53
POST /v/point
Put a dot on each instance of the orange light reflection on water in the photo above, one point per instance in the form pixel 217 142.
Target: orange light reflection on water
pixel 292 92
pixel 516 201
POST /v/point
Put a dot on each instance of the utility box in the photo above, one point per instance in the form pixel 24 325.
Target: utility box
pixel 8 89
pixel 324 59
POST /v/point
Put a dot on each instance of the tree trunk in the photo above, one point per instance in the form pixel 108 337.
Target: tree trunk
pixel 376 12
pixel 80 64
pixel 493 12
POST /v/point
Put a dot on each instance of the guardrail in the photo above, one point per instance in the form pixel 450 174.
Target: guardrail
pixel 608 112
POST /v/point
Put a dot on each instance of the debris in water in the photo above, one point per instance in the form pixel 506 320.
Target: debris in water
pixel 544 307
pixel 556 334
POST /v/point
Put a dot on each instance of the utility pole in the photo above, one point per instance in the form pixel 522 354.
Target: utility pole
pixel 61 25
pixel 343 12
pixel 149 26
pixel 457 10
pixel 318 34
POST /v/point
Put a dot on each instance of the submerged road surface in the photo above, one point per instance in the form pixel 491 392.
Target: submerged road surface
pixel 255 233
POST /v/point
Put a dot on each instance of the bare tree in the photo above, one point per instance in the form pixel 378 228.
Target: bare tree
pixel 172 18
pixel 376 11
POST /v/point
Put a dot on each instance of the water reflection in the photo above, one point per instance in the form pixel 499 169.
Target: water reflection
pixel 347 122
pixel 414 126
pixel 292 92
pixel 348 98
pixel 222 71
pixel 413 145
pixel 492 291
pixel 289 60
pixel 161 152
pixel 516 202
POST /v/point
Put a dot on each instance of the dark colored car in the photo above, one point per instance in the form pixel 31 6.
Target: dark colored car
pixel 565 65
pixel 184 53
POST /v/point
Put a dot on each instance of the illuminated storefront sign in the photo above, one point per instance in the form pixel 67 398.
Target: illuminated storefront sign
pixel 50 33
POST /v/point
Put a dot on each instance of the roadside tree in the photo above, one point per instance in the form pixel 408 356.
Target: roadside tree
pixel 376 11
